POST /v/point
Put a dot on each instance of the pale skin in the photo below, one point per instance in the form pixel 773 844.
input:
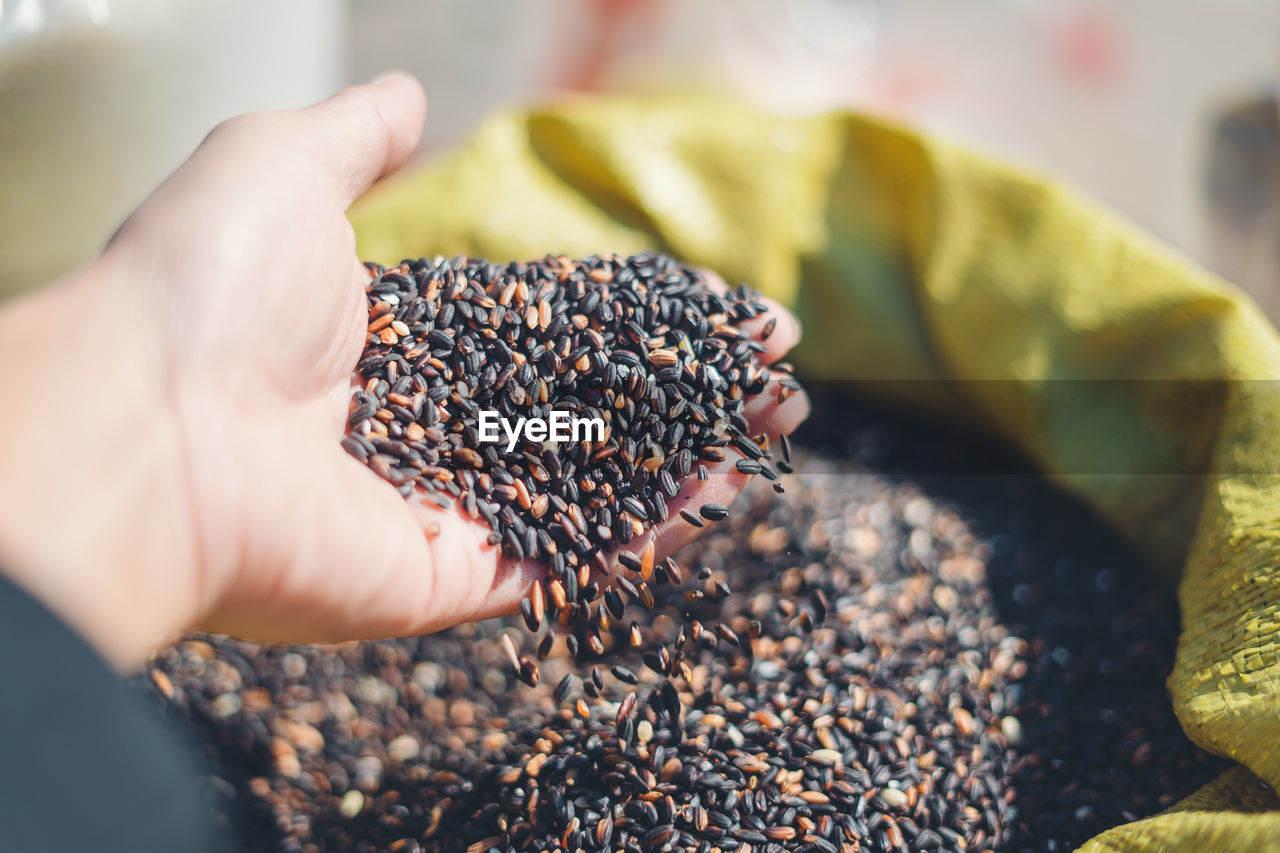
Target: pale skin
pixel 170 450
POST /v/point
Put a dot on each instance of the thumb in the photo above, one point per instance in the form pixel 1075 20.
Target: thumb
pixel 366 132
pixel 336 148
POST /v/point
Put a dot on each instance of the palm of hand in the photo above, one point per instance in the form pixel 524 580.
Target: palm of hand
pixel 255 298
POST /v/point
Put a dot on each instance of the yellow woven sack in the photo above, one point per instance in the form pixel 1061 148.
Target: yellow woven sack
pixel 922 271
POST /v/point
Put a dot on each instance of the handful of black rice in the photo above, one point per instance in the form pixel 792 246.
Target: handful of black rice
pixel 642 345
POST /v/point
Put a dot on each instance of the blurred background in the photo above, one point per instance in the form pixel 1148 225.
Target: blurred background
pixel 1163 109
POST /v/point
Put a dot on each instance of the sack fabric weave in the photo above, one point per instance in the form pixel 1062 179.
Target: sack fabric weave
pixel 970 289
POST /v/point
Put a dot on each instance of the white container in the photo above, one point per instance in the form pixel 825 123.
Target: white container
pixel 101 99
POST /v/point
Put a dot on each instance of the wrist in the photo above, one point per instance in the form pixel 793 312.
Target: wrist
pixel 94 520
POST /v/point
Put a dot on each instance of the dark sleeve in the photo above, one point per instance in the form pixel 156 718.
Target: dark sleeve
pixel 85 762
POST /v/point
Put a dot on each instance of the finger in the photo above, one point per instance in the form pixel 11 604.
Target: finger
pixel 723 485
pixel 276 161
pixel 782 336
pixel 323 570
pixel 724 481
pixel 766 415
pixel 472 579
pixel 777 327
pixel 366 132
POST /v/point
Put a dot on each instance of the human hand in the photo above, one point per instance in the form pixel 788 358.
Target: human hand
pixel 207 487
